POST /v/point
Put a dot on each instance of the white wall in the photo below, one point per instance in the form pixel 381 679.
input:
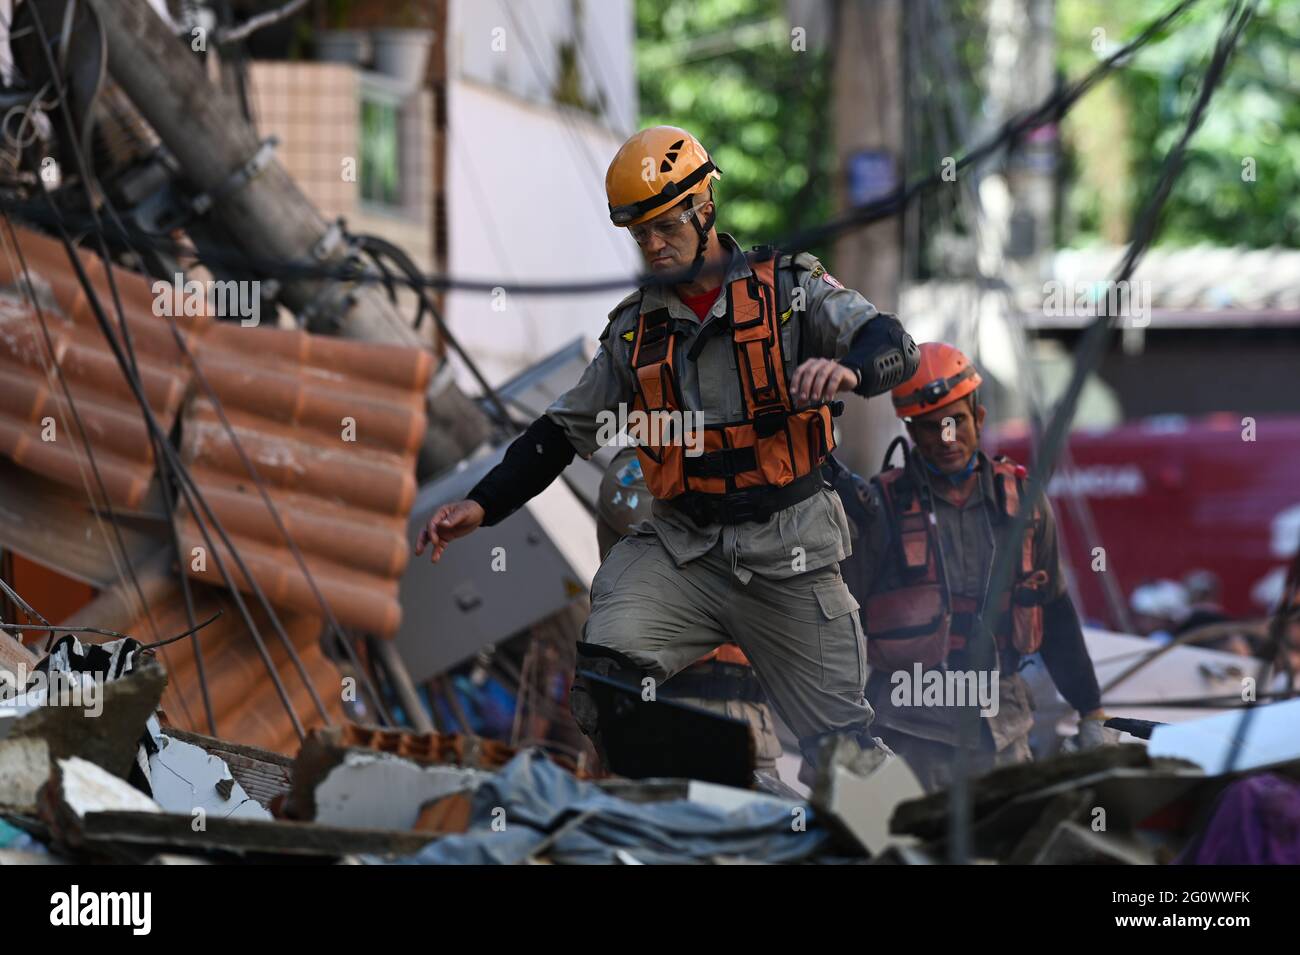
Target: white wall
pixel 525 177
pixel 531 32
pixel 525 188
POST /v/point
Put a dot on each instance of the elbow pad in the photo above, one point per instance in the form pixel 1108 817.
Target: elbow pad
pixel 884 354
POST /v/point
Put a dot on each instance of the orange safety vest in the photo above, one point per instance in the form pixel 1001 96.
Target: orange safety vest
pixel 909 620
pixel 771 445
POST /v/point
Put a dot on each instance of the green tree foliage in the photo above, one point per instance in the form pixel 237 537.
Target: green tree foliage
pixel 1119 138
pixel 725 70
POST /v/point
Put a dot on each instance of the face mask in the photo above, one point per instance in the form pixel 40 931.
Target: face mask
pixel 960 476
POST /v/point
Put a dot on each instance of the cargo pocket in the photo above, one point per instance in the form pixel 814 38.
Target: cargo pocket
pixel 843 646
pixel 618 561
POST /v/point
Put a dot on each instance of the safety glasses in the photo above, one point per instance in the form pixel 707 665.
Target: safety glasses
pixel 664 227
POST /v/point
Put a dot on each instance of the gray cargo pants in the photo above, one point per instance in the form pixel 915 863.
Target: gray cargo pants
pixel 802 634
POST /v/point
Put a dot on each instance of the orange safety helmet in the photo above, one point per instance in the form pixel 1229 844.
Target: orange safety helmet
pixel 655 170
pixel 943 376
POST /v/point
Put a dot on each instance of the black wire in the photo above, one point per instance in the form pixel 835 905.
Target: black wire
pixel 1096 336
pixel 190 489
pixel 170 457
pixel 164 470
pixel 376 245
pixel 82 432
pixel 1051 109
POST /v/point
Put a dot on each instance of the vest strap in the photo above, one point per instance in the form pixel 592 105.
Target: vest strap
pixel 725 463
pixel 755 504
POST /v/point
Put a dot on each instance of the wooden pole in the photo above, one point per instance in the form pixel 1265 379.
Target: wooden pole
pixel 205 131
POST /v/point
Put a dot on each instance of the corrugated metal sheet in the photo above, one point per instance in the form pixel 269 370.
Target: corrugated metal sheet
pixel 331 426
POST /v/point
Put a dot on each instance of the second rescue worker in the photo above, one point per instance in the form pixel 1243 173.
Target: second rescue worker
pixel 922 567
pixel 746 537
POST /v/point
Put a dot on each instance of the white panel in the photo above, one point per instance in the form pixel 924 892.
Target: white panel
pixel 526 203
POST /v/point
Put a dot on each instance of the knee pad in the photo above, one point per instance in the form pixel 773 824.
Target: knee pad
pixel 603 662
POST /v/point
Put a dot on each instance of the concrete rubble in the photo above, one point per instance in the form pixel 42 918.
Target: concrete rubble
pixel 124 786
pixel 184 778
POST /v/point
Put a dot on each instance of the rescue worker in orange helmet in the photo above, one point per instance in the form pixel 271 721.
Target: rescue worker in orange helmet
pixel 921 569
pixel 744 352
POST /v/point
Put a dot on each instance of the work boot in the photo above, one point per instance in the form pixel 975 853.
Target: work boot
pixel 860 753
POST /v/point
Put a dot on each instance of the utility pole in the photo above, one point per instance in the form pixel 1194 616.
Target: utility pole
pixel 207 134
pixel 1022 72
pixel 869 131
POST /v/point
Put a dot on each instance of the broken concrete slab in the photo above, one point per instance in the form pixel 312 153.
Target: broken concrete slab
pixel 265 775
pixel 107 733
pixel 927 818
pixel 24 769
pixel 381 791
pixel 77 788
pixel 1271 738
pixel 138 836
pixel 324 749
pixel 185 778
pixel 83 787
pixel 1074 844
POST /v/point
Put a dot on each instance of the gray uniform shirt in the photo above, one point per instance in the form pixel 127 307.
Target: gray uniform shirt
pixel 804 537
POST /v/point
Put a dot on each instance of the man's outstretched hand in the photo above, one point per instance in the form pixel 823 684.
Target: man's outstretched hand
pixel 447 524
pixel 820 379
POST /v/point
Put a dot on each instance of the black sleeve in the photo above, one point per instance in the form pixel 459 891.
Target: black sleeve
pixel 532 462
pixel 883 354
pixel 1066 656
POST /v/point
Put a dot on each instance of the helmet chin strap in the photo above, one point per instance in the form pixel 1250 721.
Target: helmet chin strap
pixel 702 230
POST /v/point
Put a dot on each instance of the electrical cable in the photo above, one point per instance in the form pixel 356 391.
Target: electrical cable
pixel 164 471
pixel 1051 109
pixel 1092 347
pixel 119 554
pixel 181 344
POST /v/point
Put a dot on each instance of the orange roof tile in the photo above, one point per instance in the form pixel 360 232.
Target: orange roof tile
pixel 332 426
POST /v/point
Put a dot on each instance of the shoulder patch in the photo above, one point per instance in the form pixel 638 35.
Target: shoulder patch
pixel 810 263
pixel 629 335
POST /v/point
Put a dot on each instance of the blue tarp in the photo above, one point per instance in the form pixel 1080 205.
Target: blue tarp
pixel 531 798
